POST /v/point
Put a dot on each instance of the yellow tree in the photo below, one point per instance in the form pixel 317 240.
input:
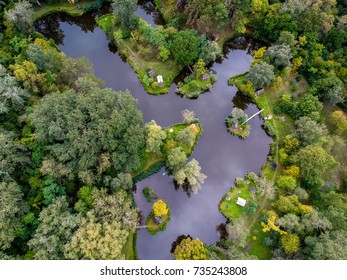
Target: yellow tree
pixel 160 208
pixel 290 243
pixel 190 249
pixel 270 225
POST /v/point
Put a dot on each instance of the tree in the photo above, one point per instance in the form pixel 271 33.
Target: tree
pixel 316 221
pixel 52 191
pixel 85 200
pixel 313 161
pixel 12 155
pixel 186 136
pixel 290 243
pixel 290 222
pixel 238 116
pixel 12 209
pixel 160 208
pixel 287 183
pixel 28 74
pixel 307 106
pixel 261 74
pixel 190 249
pixel 12 96
pixel 122 181
pixel 186 47
pixel 192 174
pixel 291 204
pixel 44 59
pixel 199 68
pixel 176 158
pixel 116 207
pixel 309 132
pixel 211 52
pixel 237 232
pixel 339 120
pixel 188 116
pixel 279 55
pixel 292 171
pixel 20 16
pixel 87 133
pixel 96 241
pixel 124 11
pixel 155 136
pixel 287 38
pixel 327 246
pixel 301 193
pixel 259 6
pixel 330 89
pixel 57 225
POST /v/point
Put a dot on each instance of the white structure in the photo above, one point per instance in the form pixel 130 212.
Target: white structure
pixel 240 201
pixel 160 79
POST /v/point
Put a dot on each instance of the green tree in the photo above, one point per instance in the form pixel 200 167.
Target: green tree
pixel 290 243
pixel 211 52
pixel 122 181
pixel 116 207
pixel 309 132
pixel 57 225
pixel 327 246
pixel 85 200
pixel 339 121
pixel 190 249
pixel 199 68
pixel 52 191
pixel 261 74
pixel 125 12
pixel 192 174
pixel 12 209
pixel 330 90
pixel 186 47
pixel 155 136
pixel 286 183
pixel 83 132
pixel 176 158
pixel 237 232
pixel 259 6
pixel 186 136
pixel 12 96
pixel 308 106
pixel 314 161
pixel 96 241
pixel 12 155
pixel 290 223
pixel 279 55
pixel 20 16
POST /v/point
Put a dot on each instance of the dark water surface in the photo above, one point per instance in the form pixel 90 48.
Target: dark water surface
pixel 223 157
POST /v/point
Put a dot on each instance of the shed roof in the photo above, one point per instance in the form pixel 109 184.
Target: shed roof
pixel 240 201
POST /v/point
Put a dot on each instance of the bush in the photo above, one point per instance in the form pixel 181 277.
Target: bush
pixel 149 194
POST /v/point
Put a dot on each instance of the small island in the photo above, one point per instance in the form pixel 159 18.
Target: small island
pixel 158 218
pixel 237 124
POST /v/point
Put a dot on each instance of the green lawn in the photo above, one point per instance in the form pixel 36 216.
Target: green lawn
pixel 168 69
pixel 258 248
pixel 229 208
pixel 64 7
pixel 128 249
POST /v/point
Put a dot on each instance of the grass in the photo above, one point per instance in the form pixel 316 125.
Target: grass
pixel 128 248
pixel 154 228
pixel 195 87
pixel 168 69
pixel 258 249
pixel 62 7
pixel 229 208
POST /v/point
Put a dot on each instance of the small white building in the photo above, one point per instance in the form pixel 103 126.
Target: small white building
pixel 240 201
pixel 160 79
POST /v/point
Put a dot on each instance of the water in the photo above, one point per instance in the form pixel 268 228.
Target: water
pixel 223 157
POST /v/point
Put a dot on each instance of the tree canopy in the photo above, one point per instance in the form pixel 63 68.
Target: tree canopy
pixel 88 133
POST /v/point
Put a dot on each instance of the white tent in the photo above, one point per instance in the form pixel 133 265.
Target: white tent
pixel 160 79
pixel 240 201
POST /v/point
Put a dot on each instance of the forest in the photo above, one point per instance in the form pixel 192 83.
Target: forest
pixel 73 150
